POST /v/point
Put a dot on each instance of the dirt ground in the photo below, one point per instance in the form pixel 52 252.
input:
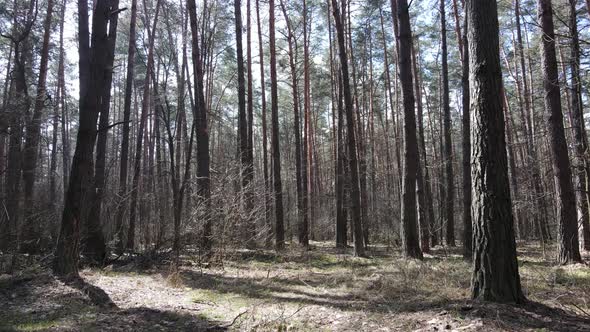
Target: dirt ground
pixel 317 290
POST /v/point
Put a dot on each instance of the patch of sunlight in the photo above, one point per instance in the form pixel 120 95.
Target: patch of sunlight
pixel 36 325
pixel 211 297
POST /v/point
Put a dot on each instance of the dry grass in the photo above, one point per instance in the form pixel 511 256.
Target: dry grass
pixel 328 290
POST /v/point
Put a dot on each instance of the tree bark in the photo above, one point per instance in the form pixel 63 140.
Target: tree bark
pixel 267 204
pixel 200 113
pixel 352 154
pixel 299 179
pixel 580 139
pixel 449 204
pixel 567 235
pixel 76 206
pixel 123 168
pixel 306 174
pixel 495 268
pixel 93 242
pixel 426 209
pixel 276 154
pixel 466 162
pixel 410 241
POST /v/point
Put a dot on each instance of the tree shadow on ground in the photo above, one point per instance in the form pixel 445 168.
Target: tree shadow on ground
pixel 279 290
pixel 400 301
pixel 45 303
pixel 532 315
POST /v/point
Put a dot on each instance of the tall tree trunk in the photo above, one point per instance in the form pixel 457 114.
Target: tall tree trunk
pixel 306 173
pixel 267 207
pixel 466 138
pixel 81 178
pixel 299 174
pixel 243 145
pixel 352 154
pixel 495 268
pixel 391 181
pixel 65 137
pixel 249 171
pixel 276 154
pixel 123 168
pixel 93 242
pixel 449 204
pixel 568 244
pixel 426 209
pixel 341 222
pixel 200 114
pixel 580 139
pixel 411 245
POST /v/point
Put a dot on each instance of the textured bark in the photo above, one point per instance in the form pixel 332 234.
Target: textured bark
pixel 276 153
pixel 341 222
pixel 352 154
pixel 579 132
pixel 81 178
pixel 495 268
pixel 567 235
pixel 124 163
pixel 390 178
pixel 338 110
pixel 93 241
pixel 200 114
pixel 411 245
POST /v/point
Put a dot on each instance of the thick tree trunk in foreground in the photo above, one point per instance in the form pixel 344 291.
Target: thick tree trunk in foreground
pixel 495 269
pixel 411 244
pixel 93 241
pixel 352 154
pixel 81 177
pixel 567 235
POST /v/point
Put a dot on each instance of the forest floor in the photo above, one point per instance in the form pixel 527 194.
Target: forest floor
pixel 317 290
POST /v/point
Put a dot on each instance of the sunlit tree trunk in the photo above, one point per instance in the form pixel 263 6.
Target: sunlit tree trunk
pixel 495 269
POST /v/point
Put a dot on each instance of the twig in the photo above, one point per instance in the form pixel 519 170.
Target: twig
pixel 234 320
